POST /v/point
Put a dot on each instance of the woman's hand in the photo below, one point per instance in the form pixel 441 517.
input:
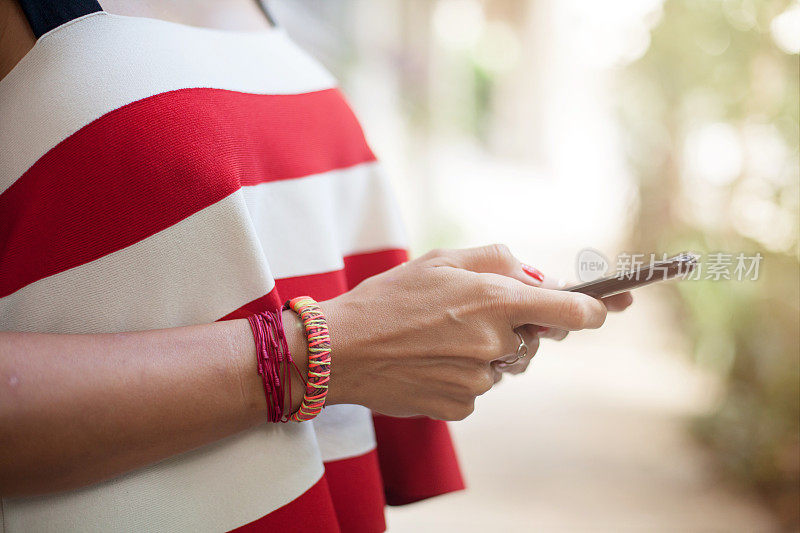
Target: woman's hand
pixel 615 304
pixel 420 338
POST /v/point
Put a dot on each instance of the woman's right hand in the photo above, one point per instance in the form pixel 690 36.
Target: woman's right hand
pixel 419 339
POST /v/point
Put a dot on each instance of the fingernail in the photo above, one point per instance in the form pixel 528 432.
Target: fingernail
pixel 544 329
pixel 533 272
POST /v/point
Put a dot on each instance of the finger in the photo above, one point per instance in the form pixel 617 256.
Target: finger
pixel 553 334
pixel 513 364
pixel 495 259
pixel 533 276
pixel 517 368
pixel 528 334
pixel 560 309
pixel 511 368
pixel 618 302
pixel 496 374
pixel 551 282
pixel 521 365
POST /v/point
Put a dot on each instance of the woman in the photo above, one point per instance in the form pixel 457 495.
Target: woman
pixel 159 183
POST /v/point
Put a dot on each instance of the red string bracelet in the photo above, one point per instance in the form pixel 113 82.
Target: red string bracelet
pixel 274 362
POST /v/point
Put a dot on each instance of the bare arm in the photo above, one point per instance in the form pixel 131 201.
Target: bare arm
pixel 77 409
pixel 418 339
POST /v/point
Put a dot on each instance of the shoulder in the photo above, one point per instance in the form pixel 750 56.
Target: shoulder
pixel 16 37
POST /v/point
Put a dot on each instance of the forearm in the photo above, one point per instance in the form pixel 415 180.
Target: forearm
pixel 76 409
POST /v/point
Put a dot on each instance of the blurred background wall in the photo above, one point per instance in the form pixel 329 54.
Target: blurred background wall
pixel 650 126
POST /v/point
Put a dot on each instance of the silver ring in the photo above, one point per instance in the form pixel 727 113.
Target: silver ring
pixel 522 349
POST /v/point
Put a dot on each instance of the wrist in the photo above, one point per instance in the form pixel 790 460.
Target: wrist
pixel 254 405
pixel 344 384
pixel 298 347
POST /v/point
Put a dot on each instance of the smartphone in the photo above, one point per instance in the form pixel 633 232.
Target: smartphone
pixel 680 265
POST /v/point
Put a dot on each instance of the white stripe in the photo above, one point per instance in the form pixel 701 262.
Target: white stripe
pixel 344 431
pixel 218 259
pixel 193 272
pixel 215 488
pixel 95 64
pixel 307 225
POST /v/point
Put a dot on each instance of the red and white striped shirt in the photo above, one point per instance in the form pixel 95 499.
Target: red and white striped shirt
pixel 155 175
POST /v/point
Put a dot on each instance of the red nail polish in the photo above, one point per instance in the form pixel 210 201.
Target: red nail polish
pixel 532 272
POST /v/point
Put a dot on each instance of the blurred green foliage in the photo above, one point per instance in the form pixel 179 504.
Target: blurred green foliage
pixel 712 62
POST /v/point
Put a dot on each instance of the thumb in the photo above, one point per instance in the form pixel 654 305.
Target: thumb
pixel 495 259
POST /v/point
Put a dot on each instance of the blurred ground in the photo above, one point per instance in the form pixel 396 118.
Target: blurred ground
pixel 592 438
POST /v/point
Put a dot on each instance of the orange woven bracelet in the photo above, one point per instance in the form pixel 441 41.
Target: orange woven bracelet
pixel 319 356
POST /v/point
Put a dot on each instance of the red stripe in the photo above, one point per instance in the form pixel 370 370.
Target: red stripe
pixel 311 511
pixel 362 266
pixel 150 164
pixel 270 300
pixel 357 493
pixel 417 459
pixel 326 285
pixel 321 287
